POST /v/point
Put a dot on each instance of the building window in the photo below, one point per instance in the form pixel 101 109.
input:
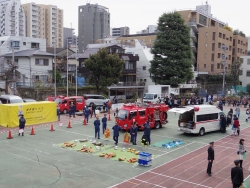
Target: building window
pixel 248 61
pixel 218 55
pixel 205 55
pixel 221 66
pixel 206 33
pixel 229 66
pixel 233 51
pixel 205 66
pixel 234 42
pixel 42 62
pixel 224 36
pixel 202 19
pixel 213 46
pixel 219 45
pixel 212 57
pixel 144 68
pixel 24 43
pixel 34 45
pixel 128 65
pixel 232 59
pixel 212 67
pixel 230 38
pixel 238 41
pixel 15 44
pixel 206 44
pixel 230 48
pixel 248 73
pixel 218 65
pixel 220 35
pixel 214 33
pixel 229 57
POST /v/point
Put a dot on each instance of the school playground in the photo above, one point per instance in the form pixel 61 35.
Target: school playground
pixel 39 161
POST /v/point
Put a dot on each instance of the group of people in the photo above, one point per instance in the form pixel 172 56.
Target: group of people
pixel 181 101
pixel 237 176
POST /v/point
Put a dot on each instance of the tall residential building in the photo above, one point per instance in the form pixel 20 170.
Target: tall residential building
pixel 149 29
pixel 45 21
pixel 207 36
pixel 120 31
pixel 12 18
pixel 93 24
pixel 70 37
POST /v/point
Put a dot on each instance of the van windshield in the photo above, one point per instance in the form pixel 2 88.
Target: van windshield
pixel 148 96
pixel 58 101
pixel 122 114
pixel 16 101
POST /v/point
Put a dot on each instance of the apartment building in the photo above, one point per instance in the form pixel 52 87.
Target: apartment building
pixel 93 24
pixel 69 37
pixel 44 21
pixel 149 29
pixel 12 18
pixel 245 76
pixel 120 31
pixel 207 37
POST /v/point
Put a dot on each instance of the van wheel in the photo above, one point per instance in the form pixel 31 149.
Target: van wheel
pixel 157 125
pixel 202 132
pixel 65 111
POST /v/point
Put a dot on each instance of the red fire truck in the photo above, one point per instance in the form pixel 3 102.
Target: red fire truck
pixel 140 113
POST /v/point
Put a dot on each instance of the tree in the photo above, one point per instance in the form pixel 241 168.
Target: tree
pixel 248 88
pixel 228 28
pixel 58 76
pixel 236 71
pixel 172 63
pixel 105 69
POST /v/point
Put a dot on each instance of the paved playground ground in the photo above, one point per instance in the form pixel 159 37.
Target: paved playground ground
pixel 37 160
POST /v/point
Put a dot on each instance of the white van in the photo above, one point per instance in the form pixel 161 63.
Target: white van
pixel 10 99
pixel 198 119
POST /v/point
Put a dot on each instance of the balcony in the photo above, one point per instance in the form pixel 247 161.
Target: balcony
pixel 193 25
pixel 193 47
pixel 193 36
pixel 35 19
pixel 35 14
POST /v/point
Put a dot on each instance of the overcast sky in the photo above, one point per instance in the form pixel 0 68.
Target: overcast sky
pixel 138 14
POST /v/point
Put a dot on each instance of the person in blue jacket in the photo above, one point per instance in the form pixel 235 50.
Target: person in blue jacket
pixel 147 130
pixel 116 129
pixel 86 112
pixel 104 123
pixel 133 133
pixel 72 109
pixel 58 112
pixel 22 122
pixel 97 124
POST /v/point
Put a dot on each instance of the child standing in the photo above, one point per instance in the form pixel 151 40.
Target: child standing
pixel 22 122
pixel 247 115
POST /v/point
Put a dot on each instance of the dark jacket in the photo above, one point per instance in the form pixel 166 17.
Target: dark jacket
pixel 237 176
pixel 116 129
pixel 210 152
pixel 93 107
pixel 147 129
pixel 97 124
pixel 72 108
pixel 104 121
pixel 223 121
pixel 22 122
pixel 134 130
pixel 86 111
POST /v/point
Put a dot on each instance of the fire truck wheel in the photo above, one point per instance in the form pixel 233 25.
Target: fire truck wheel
pixel 202 132
pixel 157 125
pixel 65 111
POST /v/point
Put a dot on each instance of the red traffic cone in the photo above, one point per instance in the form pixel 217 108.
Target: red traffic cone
pixel 69 125
pixel 84 121
pixel 109 118
pixel 32 131
pixel 9 135
pixel 52 127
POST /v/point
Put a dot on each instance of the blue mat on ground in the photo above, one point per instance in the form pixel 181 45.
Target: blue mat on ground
pixel 168 144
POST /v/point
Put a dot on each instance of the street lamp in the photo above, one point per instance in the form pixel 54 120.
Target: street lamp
pixel 67 67
pixel 223 56
pixel 76 69
pixel 55 66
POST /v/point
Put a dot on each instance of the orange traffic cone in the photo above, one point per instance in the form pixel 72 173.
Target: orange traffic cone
pixel 32 131
pixel 84 121
pixel 109 118
pixel 9 135
pixel 69 125
pixel 52 127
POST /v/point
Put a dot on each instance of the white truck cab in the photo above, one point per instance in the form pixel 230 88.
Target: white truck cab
pixel 198 119
pixel 150 97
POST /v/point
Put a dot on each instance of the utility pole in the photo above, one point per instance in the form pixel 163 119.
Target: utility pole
pixel 14 68
pixel 224 63
pixel 76 69
pixel 55 66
